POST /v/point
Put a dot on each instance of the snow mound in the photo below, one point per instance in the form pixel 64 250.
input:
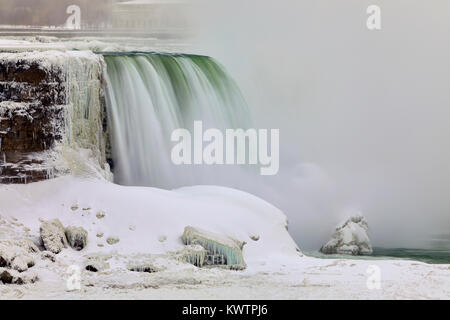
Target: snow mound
pixel 350 237
pixel 149 220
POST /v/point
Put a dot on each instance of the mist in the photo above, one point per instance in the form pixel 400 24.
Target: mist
pixel 363 115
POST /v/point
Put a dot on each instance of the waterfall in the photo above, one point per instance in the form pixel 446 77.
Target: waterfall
pixel 148 96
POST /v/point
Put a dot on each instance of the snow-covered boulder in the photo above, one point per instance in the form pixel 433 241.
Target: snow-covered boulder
pixel 96 262
pixel 17 254
pixel 47 255
pixel 77 237
pixel 8 276
pixel 350 237
pixel 220 249
pixel 22 262
pixel 53 235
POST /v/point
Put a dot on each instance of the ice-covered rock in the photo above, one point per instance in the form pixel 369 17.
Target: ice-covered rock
pixel 17 254
pixel 77 237
pixel 350 237
pixel 220 249
pixel 47 255
pixel 25 278
pixel 8 276
pixel 22 262
pixel 53 235
pixel 26 244
pixel 97 262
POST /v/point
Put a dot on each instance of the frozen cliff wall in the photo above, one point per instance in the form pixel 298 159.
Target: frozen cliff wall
pixel 51 106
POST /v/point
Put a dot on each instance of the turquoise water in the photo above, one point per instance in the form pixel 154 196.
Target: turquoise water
pixel 434 256
pixel 425 255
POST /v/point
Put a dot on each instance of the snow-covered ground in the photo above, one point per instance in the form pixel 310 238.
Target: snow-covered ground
pixel 149 222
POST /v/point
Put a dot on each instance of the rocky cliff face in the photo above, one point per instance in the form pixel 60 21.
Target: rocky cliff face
pixel 49 102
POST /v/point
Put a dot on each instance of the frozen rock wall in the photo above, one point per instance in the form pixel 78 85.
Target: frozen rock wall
pixel 51 105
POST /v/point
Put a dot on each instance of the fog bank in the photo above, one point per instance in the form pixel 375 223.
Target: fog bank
pixel 363 115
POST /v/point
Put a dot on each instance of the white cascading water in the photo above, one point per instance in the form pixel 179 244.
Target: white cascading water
pixel 150 95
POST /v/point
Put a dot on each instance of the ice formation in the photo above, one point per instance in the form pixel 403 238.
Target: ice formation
pixel 55 100
pixel 193 254
pixel 220 249
pixel 350 237
pixel 77 237
pixel 86 109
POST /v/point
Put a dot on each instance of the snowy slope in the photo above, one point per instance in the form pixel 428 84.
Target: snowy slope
pixel 150 220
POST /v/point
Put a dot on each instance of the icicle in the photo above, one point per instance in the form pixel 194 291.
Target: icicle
pixel 221 250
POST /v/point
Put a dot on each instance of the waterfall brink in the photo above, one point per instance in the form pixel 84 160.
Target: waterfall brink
pixel 148 96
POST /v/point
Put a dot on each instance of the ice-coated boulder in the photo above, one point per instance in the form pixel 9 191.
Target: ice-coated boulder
pixel 47 255
pixel 77 237
pixel 350 237
pixel 6 276
pixel 221 250
pixel 53 235
pixel 9 276
pixel 17 254
pixel 22 262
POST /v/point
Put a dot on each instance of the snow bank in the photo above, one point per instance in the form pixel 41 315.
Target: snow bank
pixel 149 220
